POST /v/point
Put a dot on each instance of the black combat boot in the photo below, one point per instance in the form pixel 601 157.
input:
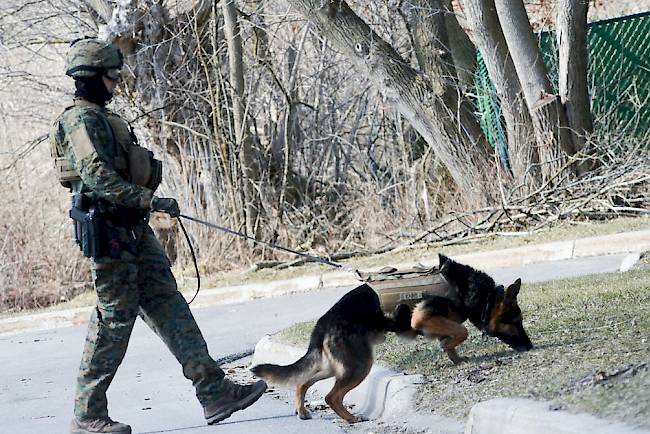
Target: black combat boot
pixel 237 398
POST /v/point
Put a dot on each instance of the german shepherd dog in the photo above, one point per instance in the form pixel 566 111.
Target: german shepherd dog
pixel 491 308
pixel 341 346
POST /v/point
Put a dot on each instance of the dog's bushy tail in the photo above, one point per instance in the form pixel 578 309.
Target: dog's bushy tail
pixel 298 372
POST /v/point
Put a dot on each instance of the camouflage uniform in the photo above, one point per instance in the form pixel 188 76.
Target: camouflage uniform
pixel 137 282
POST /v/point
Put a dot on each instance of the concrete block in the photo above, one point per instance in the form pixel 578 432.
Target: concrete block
pixel 515 416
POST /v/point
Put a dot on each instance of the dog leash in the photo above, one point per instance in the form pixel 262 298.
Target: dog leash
pixel 196 265
pixel 274 246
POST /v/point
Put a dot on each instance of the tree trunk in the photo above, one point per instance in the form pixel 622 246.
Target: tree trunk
pixel 243 137
pixel 431 104
pixel 430 24
pixel 572 43
pixel 462 49
pixel 483 21
pixel 549 118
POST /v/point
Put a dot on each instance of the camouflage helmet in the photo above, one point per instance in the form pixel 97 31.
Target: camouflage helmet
pixel 90 56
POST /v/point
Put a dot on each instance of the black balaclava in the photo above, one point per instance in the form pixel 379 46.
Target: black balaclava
pixel 92 89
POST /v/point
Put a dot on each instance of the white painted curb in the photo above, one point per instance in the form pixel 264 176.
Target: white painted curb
pixel 515 416
pixel 383 394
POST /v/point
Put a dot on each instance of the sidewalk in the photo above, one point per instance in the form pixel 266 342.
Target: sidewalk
pixel 629 242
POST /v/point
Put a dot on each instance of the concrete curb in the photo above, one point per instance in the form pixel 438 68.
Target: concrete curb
pixel 44 321
pixel 241 293
pixel 209 297
pixel 513 416
pixel 383 395
pixel 628 242
pixel 386 395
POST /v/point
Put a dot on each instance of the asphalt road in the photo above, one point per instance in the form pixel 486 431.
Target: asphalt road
pixel 38 369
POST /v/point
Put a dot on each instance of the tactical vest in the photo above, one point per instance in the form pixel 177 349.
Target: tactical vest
pixel 131 161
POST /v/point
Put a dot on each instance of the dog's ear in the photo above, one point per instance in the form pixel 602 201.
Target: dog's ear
pixel 513 291
pixel 443 262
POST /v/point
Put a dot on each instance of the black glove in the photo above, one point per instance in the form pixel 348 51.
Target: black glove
pixel 165 204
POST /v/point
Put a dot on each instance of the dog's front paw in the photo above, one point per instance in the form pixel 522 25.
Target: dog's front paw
pixel 455 358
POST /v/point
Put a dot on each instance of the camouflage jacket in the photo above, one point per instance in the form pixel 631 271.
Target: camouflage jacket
pixel 93 156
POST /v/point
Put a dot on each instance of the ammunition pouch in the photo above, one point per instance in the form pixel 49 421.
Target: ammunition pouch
pixel 104 229
pixel 65 172
pixel 156 175
pixel 145 170
pixel 139 165
pixel 63 168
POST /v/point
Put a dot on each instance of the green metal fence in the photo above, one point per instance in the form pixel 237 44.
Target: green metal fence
pixel 619 78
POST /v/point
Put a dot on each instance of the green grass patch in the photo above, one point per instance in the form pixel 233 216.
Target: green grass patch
pixel 592 352
pixel 296 335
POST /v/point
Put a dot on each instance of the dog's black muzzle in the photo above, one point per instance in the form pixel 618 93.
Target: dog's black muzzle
pixel 519 343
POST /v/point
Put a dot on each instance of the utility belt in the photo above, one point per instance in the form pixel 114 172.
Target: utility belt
pixel 104 229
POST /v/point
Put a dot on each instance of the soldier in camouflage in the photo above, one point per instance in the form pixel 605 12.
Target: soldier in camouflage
pixel 97 158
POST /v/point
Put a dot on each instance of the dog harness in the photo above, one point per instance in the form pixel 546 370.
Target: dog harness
pixel 409 286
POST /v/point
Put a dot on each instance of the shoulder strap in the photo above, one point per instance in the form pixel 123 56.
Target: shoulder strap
pixel 120 160
pixel 80 102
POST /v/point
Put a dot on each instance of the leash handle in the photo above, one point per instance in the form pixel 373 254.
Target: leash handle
pixel 274 246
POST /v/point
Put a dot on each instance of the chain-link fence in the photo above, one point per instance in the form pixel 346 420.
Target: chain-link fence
pixel 619 78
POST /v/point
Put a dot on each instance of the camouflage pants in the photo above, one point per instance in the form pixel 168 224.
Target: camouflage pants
pixel 144 286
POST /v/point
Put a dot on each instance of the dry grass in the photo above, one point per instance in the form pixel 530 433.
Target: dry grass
pixel 22 292
pixel 39 264
pixel 592 352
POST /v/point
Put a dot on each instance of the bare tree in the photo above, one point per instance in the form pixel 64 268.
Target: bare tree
pixel 431 102
pixel 242 133
pixel 549 119
pixel 573 62
pixel 303 125
pixel 489 38
pixel 462 48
